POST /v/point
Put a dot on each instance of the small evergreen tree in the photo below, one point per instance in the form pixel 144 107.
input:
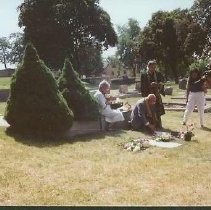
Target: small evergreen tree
pixel 35 104
pixel 84 106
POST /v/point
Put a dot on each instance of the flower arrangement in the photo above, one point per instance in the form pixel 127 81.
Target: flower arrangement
pixel 137 145
pixel 163 136
pixel 187 132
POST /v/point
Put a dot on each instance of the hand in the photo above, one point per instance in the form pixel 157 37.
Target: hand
pixel 151 127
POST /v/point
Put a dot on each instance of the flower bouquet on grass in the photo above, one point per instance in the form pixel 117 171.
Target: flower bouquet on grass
pixel 137 145
pixel 163 136
pixel 187 132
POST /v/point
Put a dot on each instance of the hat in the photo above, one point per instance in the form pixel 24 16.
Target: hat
pixel 151 62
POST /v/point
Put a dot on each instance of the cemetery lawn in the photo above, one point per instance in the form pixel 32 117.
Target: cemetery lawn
pixel 95 170
pixel 5 82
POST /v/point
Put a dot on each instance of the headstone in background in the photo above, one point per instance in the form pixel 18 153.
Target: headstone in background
pixel 138 86
pixel 123 89
pixel 182 83
pixel 168 90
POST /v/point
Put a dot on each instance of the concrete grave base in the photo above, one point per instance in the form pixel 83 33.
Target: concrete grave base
pixel 82 128
pixel 182 107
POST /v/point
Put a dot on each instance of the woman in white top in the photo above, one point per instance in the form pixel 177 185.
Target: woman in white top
pixel 111 115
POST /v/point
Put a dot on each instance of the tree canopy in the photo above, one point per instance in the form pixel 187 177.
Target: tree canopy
pixel 127 42
pixel 61 28
pixel 4 51
pixel 201 12
pixel 172 38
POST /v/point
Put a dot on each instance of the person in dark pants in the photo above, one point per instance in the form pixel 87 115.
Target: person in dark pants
pixel 152 82
pixel 143 116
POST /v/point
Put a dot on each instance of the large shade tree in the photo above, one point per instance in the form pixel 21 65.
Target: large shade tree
pixel 4 51
pixel 61 28
pixel 201 12
pixel 172 38
pixel 127 43
pixel 17 47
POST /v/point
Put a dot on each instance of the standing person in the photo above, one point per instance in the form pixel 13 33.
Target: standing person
pixel 152 82
pixel 111 115
pixel 196 89
pixel 143 115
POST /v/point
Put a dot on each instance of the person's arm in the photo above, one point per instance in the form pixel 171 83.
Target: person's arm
pixel 160 78
pixel 142 115
pixel 101 101
pixel 187 89
pixel 143 85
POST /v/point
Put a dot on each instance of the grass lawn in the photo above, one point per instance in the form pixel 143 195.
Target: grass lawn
pixel 2 107
pixel 5 82
pixel 95 170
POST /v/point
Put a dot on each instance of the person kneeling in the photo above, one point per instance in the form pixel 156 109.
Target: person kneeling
pixel 143 115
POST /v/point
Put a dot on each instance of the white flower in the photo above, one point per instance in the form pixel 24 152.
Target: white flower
pixel 136 149
pixel 145 144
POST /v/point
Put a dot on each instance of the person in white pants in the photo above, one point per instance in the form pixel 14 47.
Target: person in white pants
pixel 195 96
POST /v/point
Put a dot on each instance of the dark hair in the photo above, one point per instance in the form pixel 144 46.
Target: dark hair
pixel 196 71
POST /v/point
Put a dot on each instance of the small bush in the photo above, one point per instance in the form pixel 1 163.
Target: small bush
pixel 35 104
pixel 77 96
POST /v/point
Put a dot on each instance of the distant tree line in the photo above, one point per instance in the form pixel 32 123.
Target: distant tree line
pixel 80 30
pixel 77 29
pixel 177 40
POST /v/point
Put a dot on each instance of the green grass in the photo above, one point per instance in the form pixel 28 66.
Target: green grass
pixel 95 170
pixel 5 82
pixel 2 107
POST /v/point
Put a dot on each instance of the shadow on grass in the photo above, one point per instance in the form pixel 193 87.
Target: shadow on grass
pixel 206 128
pixel 173 132
pixel 54 140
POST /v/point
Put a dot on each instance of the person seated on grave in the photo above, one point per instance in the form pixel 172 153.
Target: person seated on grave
pixel 105 101
pixel 143 116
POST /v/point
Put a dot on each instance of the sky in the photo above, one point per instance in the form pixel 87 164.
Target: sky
pixel 119 10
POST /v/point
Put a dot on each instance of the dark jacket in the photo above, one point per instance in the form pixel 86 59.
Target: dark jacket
pixel 146 80
pixel 146 89
pixel 139 116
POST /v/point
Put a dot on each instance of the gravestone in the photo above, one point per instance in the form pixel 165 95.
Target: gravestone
pixel 123 89
pixel 168 91
pixel 182 83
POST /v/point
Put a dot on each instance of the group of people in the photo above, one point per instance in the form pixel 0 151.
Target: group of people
pixel 147 112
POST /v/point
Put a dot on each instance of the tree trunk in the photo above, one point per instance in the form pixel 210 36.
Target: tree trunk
pixel 4 57
pixel 175 73
pixel 134 72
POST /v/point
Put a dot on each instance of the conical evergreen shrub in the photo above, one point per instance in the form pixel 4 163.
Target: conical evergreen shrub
pixel 35 104
pixel 83 105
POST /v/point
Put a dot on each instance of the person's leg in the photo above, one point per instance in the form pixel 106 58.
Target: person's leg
pixel 159 126
pixel 200 106
pixel 190 107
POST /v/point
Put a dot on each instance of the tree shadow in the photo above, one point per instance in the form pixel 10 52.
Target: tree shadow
pixel 206 128
pixel 173 132
pixel 54 140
